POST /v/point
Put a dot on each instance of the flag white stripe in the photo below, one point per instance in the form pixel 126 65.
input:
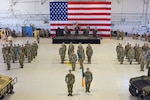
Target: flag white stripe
pixel 89 11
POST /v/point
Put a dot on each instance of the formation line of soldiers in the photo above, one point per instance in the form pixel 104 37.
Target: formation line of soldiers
pixel 19 52
pixel 70 80
pixel 73 57
pixel 140 54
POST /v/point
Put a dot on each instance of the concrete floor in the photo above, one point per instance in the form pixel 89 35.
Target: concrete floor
pixel 44 78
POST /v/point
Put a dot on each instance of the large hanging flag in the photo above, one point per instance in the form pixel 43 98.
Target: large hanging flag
pixel 95 14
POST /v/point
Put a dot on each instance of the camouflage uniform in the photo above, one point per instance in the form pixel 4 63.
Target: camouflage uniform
pixel 65 48
pixel 8 59
pixel 62 54
pixel 121 54
pixel 147 59
pixel 15 51
pixel 70 79
pixel 81 56
pixel 144 48
pixel 127 47
pixel 131 54
pixel 70 50
pixel 89 53
pixel 29 53
pixel 135 50
pixel 13 54
pixel 117 50
pixel 88 79
pixel 142 62
pixel 21 59
pixel 4 53
pixel 73 59
pixel 139 52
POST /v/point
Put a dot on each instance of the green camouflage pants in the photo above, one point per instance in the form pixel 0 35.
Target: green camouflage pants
pixel 70 87
pixel 73 66
pixel 87 86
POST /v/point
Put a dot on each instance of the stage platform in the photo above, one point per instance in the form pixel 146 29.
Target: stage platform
pixel 76 39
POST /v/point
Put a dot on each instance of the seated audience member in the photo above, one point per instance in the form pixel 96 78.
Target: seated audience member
pixel 86 31
pixel 95 32
pixel 67 31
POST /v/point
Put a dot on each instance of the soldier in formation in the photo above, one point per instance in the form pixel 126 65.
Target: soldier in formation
pixel 21 59
pixel 62 54
pixel 117 50
pixel 73 59
pixel 88 79
pixel 139 54
pixel 70 79
pixel 70 50
pixel 121 54
pixel 8 59
pixel 142 61
pixel 81 55
pixel 89 53
pixel 19 52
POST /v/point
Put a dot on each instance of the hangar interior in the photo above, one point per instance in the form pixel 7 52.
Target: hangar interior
pixel 44 77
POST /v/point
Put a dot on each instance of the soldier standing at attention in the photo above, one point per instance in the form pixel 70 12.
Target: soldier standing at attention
pixel 117 50
pixel 8 59
pixel 65 48
pixel 127 47
pixel 121 54
pixel 62 54
pixel 73 59
pixel 70 50
pixel 142 61
pixel 88 79
pixel 81 55
pixel 70 79
pixel 21 58
pixel 89 53
pixel 4 53
pixel 131 55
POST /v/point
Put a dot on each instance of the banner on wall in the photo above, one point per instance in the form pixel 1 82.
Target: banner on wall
pixel 93 14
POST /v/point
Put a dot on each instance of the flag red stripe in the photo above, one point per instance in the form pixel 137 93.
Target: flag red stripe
pixel 89 13
pixel 90 30
pixel 89 8
pixel 108 3
pixel 81 24
pixel 97 19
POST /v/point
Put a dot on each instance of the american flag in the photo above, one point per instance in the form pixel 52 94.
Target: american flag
pixel 93 14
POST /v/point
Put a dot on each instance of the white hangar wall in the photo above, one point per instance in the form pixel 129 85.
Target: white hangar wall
pixel 127 15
